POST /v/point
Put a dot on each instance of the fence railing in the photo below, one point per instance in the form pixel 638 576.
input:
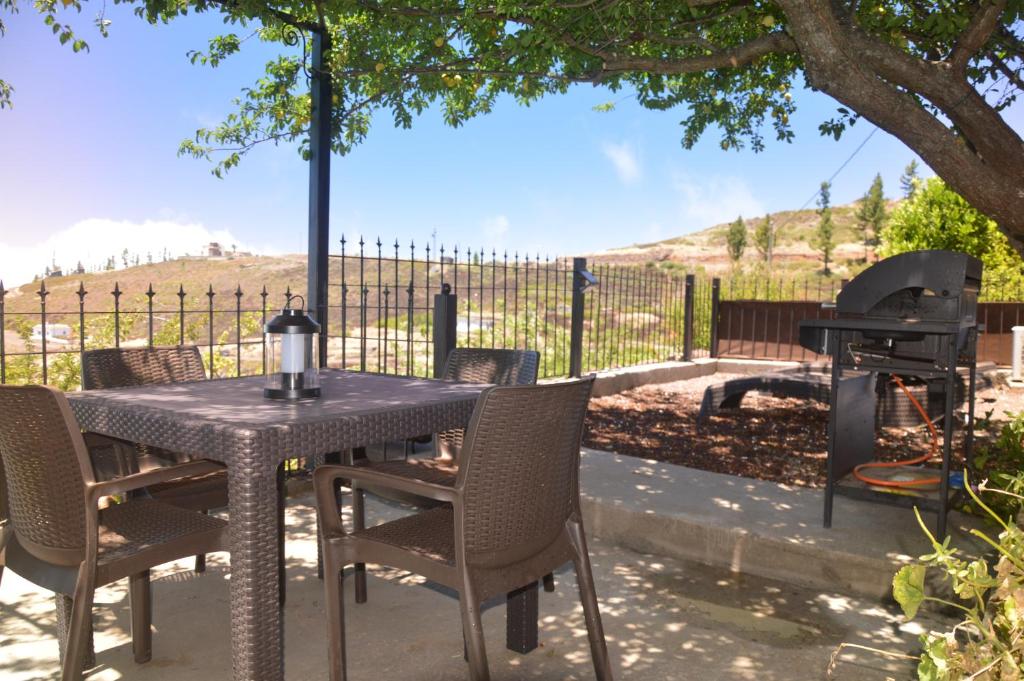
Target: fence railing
pixel 380 315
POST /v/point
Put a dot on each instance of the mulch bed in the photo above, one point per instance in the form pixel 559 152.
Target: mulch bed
pixel 769 438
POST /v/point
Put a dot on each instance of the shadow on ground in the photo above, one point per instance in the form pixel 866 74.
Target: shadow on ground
pixel 665 619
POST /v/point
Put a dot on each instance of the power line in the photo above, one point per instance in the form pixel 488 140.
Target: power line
pixel 839 169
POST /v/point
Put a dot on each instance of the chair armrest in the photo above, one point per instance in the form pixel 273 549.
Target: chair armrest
pixel 150 477
pixel 324 478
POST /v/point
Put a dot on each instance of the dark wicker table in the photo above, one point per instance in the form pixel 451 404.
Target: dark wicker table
pixel 229 420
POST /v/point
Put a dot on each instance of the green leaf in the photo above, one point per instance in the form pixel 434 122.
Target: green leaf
pixel 934 664
pixel 908 588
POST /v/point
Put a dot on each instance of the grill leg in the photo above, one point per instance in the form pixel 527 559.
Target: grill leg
pixel 830 477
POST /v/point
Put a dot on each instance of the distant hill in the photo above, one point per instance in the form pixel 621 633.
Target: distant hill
pixel 194 275
pixel 794 253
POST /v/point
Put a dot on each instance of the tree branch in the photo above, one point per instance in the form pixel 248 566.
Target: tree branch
pixel 741 55
pixel 977 33
pixel 1013 76
pixel 283 17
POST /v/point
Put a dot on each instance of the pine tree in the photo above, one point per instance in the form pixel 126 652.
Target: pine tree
pixel 764 240
pixel 871 215
pixel 909 179
pixel 736 239
pixel 824 240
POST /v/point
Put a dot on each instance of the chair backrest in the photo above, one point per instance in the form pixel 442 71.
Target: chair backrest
pixel 483 365
pixel 519 470
pixel 125 367
pixel 489 365
pixel 46 466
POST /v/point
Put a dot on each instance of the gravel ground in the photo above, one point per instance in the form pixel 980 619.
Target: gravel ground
pixel 769 438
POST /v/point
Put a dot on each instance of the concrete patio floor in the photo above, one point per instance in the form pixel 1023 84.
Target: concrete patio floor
pixel 664 618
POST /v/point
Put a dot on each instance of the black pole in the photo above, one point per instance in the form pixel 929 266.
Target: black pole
pixel 445 318
pixel 688 318
pixel 716 292
pixel 579 265
pixel 319 189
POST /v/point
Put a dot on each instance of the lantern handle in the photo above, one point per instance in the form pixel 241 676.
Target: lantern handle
pixel 300 298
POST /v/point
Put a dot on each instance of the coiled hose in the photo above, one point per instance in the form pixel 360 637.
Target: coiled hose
pixel 922 482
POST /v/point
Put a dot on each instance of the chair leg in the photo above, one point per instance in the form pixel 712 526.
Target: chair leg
pixel 141 602
pixel 335 597
pixel 201 557
pixel 588 598
pixel 473 635
pixel 64 606
pixel 359 523
pixel 79 627
pixel 549 582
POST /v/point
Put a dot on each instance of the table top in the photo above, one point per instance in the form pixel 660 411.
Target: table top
pixel 190 416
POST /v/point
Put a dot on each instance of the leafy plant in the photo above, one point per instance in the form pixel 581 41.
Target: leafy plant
pixel 935 216
pixel 824 240
pixel 988 643
pixel 736 239
pixel 999 460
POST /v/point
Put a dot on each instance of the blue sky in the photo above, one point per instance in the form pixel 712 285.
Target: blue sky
pixel 89 162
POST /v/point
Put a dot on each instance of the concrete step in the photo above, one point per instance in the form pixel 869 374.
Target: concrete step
pixel 754 527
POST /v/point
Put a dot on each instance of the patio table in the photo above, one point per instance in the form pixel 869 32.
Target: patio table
pixel 229 420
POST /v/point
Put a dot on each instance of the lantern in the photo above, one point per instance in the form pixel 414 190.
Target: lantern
pixel 292 355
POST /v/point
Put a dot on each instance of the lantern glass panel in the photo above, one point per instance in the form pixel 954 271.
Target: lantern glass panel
pixel 292 361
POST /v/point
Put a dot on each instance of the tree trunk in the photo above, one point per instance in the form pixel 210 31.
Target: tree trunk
pixel 983 160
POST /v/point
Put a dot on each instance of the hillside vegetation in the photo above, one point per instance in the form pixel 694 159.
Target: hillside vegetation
pixel 794 252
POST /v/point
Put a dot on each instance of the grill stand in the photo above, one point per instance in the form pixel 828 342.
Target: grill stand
pixel 845 449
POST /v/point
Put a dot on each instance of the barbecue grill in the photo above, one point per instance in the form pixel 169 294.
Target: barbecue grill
pixel 912 315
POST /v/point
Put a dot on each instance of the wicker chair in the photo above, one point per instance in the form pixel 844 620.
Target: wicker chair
pixel 126 367
pixel 514 516
pixel 470 365
pixel 107 457
pixel 58 537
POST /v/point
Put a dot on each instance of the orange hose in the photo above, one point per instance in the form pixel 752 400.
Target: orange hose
pixel 909 462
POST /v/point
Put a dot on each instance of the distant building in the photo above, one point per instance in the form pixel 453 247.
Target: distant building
pixel 214 250
pixel 55 333
pixel 80 269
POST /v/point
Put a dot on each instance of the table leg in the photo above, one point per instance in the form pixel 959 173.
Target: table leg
pixel 521 619
pixel 257 628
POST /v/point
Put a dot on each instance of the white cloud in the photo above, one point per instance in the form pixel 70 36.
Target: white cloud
pixel 712 200
pixel 92 241
pixel 496 227
pixel 623 157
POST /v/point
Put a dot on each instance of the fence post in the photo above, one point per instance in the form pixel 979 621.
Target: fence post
pixel 445 309
pixel 688 319
pixel 716 294
pixel 579 285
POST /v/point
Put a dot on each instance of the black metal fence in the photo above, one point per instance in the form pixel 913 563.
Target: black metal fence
pixel 380 314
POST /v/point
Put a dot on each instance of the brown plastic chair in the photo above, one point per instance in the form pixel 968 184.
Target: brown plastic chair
pixel 57 536
pixel 514 516
pixel 126 367
pixel 469 365
pixel 107 457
